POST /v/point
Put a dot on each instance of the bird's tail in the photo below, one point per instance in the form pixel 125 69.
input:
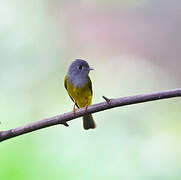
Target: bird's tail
pixel 88 122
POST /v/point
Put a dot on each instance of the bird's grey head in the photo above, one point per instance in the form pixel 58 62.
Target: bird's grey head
pixel 79 67
pixel 78 72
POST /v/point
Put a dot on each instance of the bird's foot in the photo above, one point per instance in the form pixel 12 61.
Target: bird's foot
pixel 86 106
pixel 74 110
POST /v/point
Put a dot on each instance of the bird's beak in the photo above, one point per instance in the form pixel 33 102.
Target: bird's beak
pixel 90 69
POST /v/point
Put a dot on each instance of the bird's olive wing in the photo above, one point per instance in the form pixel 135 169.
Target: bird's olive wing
pixel 90 85
pixel 65 84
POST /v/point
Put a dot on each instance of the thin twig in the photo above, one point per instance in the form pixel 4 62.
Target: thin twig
pixel 64 118
pixel 107 100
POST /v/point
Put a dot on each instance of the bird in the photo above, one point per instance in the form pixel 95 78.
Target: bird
pixel 79 87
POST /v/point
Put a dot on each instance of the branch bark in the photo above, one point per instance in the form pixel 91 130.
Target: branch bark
pixel 107 104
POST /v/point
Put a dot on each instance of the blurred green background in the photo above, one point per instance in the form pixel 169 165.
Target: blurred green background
pixel 134 46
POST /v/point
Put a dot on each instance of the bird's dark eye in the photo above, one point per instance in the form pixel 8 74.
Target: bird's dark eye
pixel 80 67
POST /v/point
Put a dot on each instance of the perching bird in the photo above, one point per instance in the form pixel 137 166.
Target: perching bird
pixel 79 87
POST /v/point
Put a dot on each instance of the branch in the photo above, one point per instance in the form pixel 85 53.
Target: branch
pixel 107 104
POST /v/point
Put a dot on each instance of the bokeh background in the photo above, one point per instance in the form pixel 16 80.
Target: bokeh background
pixel 134 46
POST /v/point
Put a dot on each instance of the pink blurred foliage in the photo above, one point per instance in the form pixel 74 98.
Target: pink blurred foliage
pixel 151 31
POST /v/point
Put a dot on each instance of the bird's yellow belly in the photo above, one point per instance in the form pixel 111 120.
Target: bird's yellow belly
pixel 82 96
